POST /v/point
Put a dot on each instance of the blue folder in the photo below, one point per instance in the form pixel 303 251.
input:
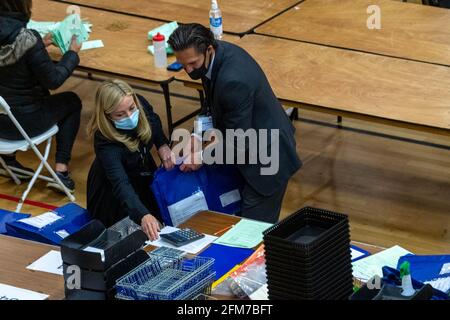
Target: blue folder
pixel 170 187
pixel 73 217
pixel 9 216
pixel 226 257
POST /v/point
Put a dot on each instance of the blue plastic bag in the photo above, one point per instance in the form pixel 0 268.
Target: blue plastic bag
pixel 426 268
pixel 221 185
pixel 73 218
pixel 392 276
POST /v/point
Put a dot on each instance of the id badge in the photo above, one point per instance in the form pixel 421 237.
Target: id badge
pixel 203 123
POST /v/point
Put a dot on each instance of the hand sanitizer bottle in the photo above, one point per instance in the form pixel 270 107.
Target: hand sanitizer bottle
pixel 405 275
pixel 159 43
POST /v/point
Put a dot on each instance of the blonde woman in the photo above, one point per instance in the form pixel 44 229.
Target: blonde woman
pixel 125 128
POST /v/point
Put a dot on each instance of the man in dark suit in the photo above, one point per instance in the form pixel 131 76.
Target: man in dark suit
pixel 239 96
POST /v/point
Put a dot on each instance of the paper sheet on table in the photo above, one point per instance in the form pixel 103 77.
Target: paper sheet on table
pixel 13 293
pixel 51 262
pixel 182 210
pixel 94 44
pixel 42 220
pixel 245 234
pixel 366 268
pixel 193 247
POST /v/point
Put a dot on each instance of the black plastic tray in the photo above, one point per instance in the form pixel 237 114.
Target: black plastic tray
pixel 310 283
pixel 343 231
pixel 328 263
pixel 306 228
pixel 272 251
pixel 106 280
pixel 340 293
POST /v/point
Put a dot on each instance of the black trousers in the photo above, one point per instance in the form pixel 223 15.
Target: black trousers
pixel 63 109
pixel 258 207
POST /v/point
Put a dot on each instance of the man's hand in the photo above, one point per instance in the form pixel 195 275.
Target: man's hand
pixel 193 160
pixel 150 225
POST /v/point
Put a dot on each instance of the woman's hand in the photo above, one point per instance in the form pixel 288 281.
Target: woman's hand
pixel 150 225
pixel 167 157
pixel 48 40
pixel 74 45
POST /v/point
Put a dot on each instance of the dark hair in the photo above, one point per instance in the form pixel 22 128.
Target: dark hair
pixel 16 6
pixel 192 35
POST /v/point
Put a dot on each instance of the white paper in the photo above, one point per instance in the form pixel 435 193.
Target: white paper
pixel 42 220
pixel 442 284
pixel 96 250
pixel 93 44
pixel 62 233
pixel 230 197
pixel 186 208
pixel 193 247
pixel 50 262
pixel 366 268
pixel 13 293
pixel 260 294
pixel 356 254
pixel 445 269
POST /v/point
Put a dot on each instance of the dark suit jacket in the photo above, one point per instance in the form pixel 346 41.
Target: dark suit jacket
pixel 241 97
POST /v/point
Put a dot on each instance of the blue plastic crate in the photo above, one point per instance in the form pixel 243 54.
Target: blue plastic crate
pixel 163 278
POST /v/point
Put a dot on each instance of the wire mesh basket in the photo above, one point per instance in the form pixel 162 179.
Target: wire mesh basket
pixel 165 278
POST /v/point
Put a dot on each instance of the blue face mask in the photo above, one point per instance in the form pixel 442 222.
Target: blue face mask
pixel 128 123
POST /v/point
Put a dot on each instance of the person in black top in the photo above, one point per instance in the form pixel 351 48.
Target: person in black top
pixel 27 73
pixel 125 128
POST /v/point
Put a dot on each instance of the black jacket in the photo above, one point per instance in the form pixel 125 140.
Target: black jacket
pixel 119 180
pixel 241 98
pixel 27 72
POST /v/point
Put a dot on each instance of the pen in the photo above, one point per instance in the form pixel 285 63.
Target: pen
pixel 224 229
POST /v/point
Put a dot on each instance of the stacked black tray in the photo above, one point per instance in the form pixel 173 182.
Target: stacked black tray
pixel 308 257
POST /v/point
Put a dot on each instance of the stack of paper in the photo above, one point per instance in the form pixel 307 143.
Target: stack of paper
pixel 46 27
pixel 70 26
pixel 63 31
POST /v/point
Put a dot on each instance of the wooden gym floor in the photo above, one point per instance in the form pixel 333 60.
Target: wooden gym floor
pixel 396 191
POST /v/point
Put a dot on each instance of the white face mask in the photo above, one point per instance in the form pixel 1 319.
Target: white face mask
pixel 128 123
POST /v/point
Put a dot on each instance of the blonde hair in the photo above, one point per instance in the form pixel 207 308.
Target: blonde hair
pixel 108 97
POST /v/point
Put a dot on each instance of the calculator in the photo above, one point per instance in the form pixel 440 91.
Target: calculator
pixel 182 237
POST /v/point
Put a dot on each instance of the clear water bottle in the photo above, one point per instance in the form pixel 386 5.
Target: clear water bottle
pixel 159 44
pixel 215 20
